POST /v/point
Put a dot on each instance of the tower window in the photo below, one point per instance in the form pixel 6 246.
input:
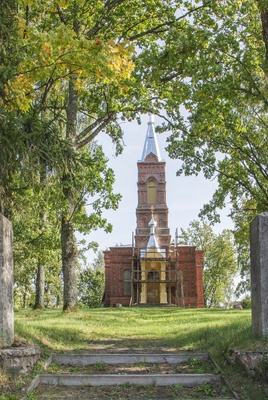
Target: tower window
pixel 151 191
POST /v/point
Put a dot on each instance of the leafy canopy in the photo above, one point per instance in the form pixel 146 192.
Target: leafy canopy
pixel 220 263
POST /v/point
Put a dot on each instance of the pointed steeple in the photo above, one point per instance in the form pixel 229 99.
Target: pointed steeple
pixel 152 239
pixel 151 144
pixel 152 245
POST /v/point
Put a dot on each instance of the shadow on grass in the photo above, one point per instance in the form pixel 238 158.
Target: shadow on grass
pixel 178 329
pixel 146 331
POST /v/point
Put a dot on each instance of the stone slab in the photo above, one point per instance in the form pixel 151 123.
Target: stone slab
pixel 19 359
pixel 254 362
pixel 88 359
pixel 259 274
pixel 109 379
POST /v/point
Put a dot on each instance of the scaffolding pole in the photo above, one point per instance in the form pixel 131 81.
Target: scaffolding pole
pixel 172 279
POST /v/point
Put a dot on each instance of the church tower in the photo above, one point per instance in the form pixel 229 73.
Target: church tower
pixel 153 271
pixel 151 192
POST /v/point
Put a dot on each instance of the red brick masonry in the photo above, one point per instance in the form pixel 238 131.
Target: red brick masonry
pixel 190 262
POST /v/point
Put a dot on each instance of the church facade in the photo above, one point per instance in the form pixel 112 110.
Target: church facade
pixel 153 270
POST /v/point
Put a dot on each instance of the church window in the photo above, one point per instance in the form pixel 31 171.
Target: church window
pixel 153 275
pixel 151 191
pixel 127 283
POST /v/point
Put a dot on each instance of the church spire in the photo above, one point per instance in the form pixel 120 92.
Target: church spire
pixel 152 245
pixel 152 239
pixel 151 144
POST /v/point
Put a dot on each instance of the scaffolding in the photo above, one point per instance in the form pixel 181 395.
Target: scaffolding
pixel 150 279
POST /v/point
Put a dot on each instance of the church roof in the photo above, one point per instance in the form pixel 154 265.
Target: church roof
pixel 151 144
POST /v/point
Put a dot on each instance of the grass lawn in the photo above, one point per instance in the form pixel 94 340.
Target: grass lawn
pixel 213 330
pixel 146 329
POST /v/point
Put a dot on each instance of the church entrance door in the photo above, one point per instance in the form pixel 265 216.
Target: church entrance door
pixel 153 289
pixel 153 293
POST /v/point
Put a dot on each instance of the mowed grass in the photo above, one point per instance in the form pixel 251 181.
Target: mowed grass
pixel 143 330
pixel 213 330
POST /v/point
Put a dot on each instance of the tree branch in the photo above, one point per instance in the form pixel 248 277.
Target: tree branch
pixel 94 133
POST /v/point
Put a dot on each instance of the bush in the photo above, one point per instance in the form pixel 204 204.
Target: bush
pixel 246 302
pixel 91 287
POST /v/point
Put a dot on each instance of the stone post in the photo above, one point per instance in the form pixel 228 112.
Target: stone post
pixel 259 274
pixel 6 283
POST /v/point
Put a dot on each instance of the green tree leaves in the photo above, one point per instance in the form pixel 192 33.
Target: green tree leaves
pixel 81 67
pixel 91 283
pixel 220 263
pixel 224 134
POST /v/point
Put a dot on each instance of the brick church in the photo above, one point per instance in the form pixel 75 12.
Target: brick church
pixel 154 270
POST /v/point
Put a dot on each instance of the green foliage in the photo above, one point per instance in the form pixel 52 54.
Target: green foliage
pixel 246 302
pixel 91 283
pixel 79 68
pixel 36 241
pixel 9 121
pixel 242 240
pixel 207 389
pixel 224 134
pixel 220 263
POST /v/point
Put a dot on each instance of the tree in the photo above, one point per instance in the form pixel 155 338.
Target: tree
pixel 220 264
pixel 36 245
pixel 224 134
pixel 9 120
pixel 91 284
pixel 263 7
pixel 85 66
pixel 242 241
pixel 27 90
pixel 80 64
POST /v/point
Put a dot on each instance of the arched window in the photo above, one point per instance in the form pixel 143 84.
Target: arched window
pixel 127 283
pixel 153 275
pixel 151 191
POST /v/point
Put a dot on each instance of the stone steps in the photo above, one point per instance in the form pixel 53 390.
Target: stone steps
pixel 133 379
pixel 90 359
pixel 122 378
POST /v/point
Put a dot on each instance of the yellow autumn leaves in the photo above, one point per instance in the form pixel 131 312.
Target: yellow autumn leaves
pixel 51 50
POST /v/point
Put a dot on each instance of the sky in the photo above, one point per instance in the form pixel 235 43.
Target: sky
pixel 185 195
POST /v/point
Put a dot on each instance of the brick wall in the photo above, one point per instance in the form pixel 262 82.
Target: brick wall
pixel 116 261
pixel 190 262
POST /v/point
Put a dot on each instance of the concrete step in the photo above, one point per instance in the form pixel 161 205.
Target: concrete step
pixel 123 378
pixel 112 379
pixel 89 359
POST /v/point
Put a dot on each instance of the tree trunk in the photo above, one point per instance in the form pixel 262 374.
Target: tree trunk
pixel 58 301
pixel 40 277
pixel 68 240
pixel 25 300
pixel 2 200
pixel 264 19
pixel 69 263
pixel 40 288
